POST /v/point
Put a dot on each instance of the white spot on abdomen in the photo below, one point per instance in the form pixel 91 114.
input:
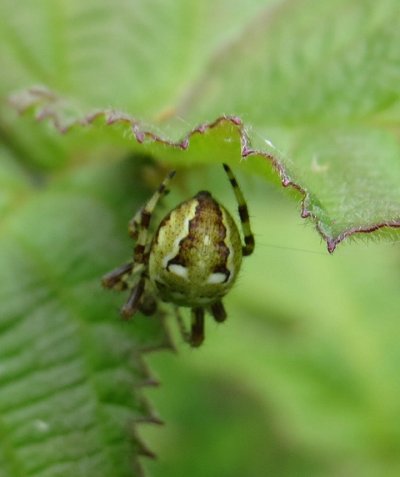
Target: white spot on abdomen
pixel 215 278
pixel 178 270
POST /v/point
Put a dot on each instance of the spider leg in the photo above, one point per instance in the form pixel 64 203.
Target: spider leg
pixel 134 224
pixel 249 242
pixel 197 328
pixel 141 221
pixel 138 228
pixel 148 305
pixel 218 311
pixel 116 279
pixel 181 325
pixel 133 303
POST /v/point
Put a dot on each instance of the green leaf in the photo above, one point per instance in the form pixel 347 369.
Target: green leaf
pixel 308 93
pixel 71 372
pixel 321 88
pixel 305 369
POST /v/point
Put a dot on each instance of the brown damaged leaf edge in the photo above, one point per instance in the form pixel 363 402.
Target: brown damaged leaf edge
pixel 47 105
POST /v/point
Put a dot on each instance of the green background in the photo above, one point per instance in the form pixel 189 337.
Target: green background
pixel 303 378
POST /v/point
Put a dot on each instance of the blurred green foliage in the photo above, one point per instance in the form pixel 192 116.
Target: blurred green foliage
pixel 303 378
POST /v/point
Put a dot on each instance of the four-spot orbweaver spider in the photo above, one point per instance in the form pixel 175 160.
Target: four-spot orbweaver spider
pixel 192 260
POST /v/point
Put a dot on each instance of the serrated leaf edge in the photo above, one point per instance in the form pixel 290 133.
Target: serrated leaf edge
pixel 44 102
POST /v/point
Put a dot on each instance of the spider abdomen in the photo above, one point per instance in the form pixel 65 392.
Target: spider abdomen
pixel 196 253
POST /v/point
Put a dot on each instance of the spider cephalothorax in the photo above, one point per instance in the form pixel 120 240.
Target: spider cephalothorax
pixel 192 260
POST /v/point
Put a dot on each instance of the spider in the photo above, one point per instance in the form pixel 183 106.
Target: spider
pixel 192 260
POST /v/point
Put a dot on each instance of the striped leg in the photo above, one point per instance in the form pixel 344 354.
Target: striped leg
pixel 148 305
pixel 134 225
pixel 218 311
pixel 139 228
pixel 135 222
pixel 133 302
pixel 243 213
pixel 181 325
pixel 121 277
pixel 139 225
pixel 197 330
pixel 117 279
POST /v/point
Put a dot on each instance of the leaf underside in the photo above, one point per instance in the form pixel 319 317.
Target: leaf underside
pixel 353 196
pixel 314 96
